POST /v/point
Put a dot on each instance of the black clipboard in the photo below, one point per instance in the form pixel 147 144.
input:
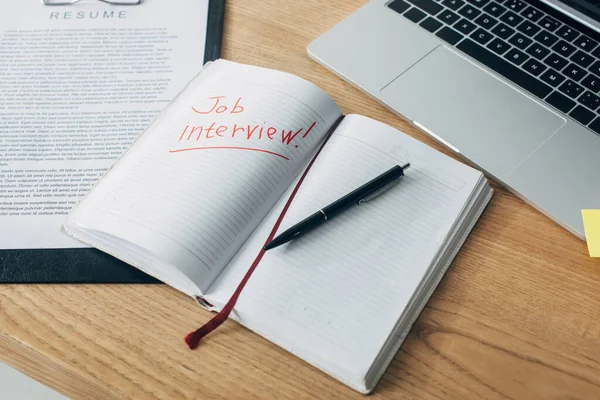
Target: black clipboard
pixel 87 265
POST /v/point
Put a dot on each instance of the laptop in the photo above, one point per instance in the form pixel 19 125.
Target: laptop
pixel 510 85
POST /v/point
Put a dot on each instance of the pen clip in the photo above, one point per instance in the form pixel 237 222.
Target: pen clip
pixel 376 193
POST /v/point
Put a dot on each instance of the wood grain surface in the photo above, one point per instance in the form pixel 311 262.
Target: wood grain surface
pixel 516 317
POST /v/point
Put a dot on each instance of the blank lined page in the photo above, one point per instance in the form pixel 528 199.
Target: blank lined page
pixel 202 177
pixel 334 295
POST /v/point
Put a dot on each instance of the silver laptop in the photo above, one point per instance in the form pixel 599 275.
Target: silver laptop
pixel 510 85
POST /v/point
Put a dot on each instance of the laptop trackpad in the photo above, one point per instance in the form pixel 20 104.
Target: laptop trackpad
pixel 488 121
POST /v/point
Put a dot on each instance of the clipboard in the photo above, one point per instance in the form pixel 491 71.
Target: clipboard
pixel 214 34
pixel 88 265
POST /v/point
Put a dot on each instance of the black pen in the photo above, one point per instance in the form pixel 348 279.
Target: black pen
pixel 364 193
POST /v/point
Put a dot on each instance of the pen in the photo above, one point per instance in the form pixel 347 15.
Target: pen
pixel 358 196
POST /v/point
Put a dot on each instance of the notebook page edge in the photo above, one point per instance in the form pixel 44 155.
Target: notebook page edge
pixel 144 262
pixel 456 247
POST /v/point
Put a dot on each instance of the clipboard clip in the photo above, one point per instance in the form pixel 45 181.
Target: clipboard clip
pixel 112 2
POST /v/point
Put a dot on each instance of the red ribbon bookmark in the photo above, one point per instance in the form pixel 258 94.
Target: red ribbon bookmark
pixel 193 338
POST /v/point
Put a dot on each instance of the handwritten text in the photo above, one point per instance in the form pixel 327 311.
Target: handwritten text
pixel 220 105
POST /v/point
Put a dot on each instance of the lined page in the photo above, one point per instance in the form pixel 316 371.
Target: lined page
pixel 334 295
pixel 203 176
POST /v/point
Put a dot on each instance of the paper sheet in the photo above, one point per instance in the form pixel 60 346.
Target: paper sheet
pixel 78 84
pixel 591 224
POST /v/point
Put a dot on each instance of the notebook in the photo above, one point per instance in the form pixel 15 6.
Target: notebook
pixel 244 149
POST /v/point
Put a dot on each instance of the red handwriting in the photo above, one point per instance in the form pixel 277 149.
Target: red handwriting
pixel 219 105
pixel 230 148
pixel 220 109
pixel 199 132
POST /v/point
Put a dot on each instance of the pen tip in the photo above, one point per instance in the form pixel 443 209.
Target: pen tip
pixel 405 166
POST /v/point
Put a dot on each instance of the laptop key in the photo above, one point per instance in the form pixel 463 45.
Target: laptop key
pixel 465 26
pixel 549 23
pixel 571 89
pixel 532 14
pixel 498 46
pixel 552 77
pixel 449 35
pixel 528 28
pixel 431 24
pixel 582 59
pixel 590 100
pixel 595 125
pixel 563 48
pixel 504 68
pixel 494 9
pixel 516 56
pixel 595 68
pixel 546 38
pixel 582 115
pixel 515 5
pixel 486 21
pixel 479 3
pixel 574 72
pixel 469 12
pixel 453 4
pixel 481 36
pixel 585 43
pixel 534 67
pixel 415 15
pixel 520 41
pixel 511 19
pixel 429 6
pixel 555 61
pixel 503 31
pixel 448 17
pixel 560 101
pixel 399 6
pixel 538 51
pixel 567 33
pixel 592 82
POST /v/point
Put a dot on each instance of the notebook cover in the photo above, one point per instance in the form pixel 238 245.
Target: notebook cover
pixel 91 265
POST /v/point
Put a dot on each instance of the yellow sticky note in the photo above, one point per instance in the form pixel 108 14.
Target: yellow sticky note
pixel 591 223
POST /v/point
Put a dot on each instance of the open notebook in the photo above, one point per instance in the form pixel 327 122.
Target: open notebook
pixel 195 198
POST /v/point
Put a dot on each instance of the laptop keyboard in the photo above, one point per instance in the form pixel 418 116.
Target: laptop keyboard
pixel 529 43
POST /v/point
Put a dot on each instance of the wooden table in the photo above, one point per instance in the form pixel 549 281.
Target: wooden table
pixel 516 317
